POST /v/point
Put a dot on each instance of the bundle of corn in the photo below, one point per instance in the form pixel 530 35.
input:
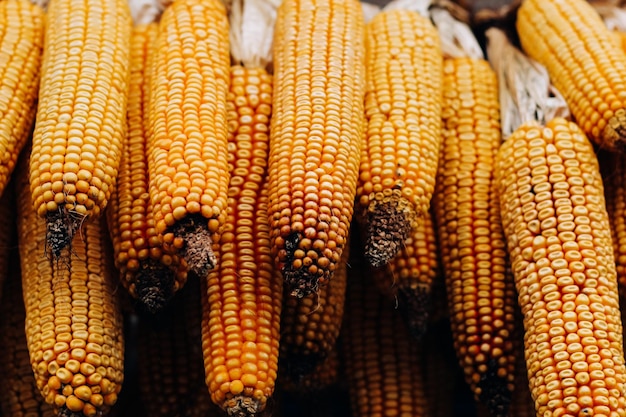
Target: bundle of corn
pixel 403 111
pixel 187 130
pixel 558 235
pixel 81 117
pixel 315 137
pixel 242 296
pixel 73 322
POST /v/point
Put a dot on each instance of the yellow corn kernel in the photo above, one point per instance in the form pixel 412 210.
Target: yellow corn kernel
pixel 558 233
pixel 403 111
pixel 584 62
pixel 315 137
pixel 150 274
pixel 383 365
pixel 187 129
pixel 481 295
pixel 73 320
pixel 21 44
pixel 81 117
pixel 310 325
pixel 242 296
pixel 409 276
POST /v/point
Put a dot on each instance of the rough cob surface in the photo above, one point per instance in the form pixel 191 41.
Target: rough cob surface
pixel 315 139
pixel 187 129
pixel 584 62
pixel 401 149
pixel 73 323
pixel 243 295
pixel 21 43
pixel 383 365
pixel 147 271
pixel 81 117
pixel 409 276
pixel 481 296
pixel 310 325
pixel 558 234
pixel 171 375
pixel 21 397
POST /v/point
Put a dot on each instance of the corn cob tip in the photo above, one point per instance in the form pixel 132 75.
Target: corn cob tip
pixel 61 226
pixel 154 285
pixel 241 406
pixel 494 391
pixel 65 412
pixel 615 131
pixel 415 307
pixel 197 247
pixel 388 227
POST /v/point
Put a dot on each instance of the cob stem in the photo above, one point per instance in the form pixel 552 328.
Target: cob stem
pixel 61 228
pixel 388 227
pixel 154 285
pixel 242 406
pixel 196 249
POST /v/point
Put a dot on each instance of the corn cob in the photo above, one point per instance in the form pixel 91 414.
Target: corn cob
pixel 243 295
pixel 310 325
pixel 585 64
pixel 150 274
pixel 409 276
pixel 315 136
pixel 521 401
pixel 614 179
pixel 20 396
pixel 21 43
pixel 81 118
pixel 323 376
pixel 557 229
pixel 440 370
pixel 73 323
pixel 187 129
pixel 403 111
pixel 480 297
pixel 171 375
pixel 383 366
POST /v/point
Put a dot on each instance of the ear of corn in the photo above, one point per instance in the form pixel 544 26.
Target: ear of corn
pixel 7 232
pixel 480 294
pixel 171 375
pixel 558 234
pixel 401 149
pixel 323 376
pixel 21 43
pixel 315 137
pixel 383 366
pixel 441 373
pixel 521 402
pixel 20 396
pixel 585 64
pixel 73 323
pixel 409 276
pixel 150 274
pixel 243 295
pixel 187 129
pixel 81 117
pixel 310 325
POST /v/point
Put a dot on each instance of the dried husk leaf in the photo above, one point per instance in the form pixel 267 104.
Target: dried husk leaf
pixel 252 32
pixel 369 11
pixel 524 85
pixel 457 39
pixel 419 6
